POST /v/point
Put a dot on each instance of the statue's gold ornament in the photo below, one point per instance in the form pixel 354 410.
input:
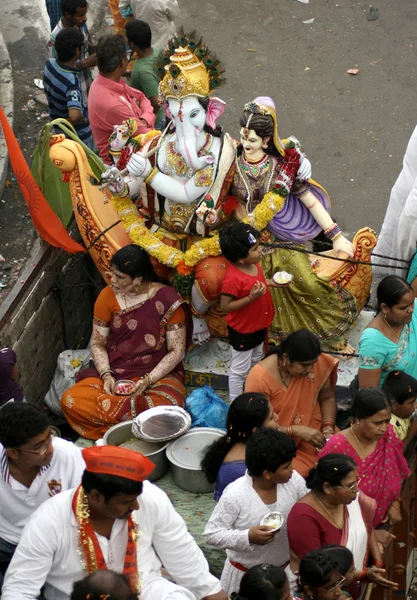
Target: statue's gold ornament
pixel 188 68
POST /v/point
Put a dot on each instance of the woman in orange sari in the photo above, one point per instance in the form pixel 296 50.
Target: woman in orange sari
pixel 139 334
pixel 300 382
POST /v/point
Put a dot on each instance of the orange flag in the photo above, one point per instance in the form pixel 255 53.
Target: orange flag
pixel 45 220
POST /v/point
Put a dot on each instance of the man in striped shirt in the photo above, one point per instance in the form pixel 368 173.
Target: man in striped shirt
pixel 62 85
pixel 74 14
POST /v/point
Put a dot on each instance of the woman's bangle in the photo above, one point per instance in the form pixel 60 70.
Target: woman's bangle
pixel 378 563
pixel 328 425
pixel 149 377
pixel 290 431
pixel 105 373
pixel 364 576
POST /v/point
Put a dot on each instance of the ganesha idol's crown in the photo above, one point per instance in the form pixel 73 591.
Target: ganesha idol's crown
pixel 189 69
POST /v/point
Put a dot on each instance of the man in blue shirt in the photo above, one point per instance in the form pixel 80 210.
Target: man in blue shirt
pixel 74 14
pixel 62 86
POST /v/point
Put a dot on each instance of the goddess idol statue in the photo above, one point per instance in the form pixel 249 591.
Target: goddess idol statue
pixel 262 167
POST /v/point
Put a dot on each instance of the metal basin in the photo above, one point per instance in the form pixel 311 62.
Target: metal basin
pixel 155 451
pixel 185 456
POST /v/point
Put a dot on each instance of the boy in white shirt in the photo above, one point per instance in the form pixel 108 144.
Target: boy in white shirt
pixel 34 466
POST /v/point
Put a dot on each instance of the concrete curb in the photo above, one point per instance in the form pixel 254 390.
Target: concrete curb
pixel 7 103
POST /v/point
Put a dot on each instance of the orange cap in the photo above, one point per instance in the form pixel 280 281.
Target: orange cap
pixel 112 460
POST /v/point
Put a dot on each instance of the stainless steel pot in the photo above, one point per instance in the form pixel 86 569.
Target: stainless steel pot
pixel 155 451
pixel 185 456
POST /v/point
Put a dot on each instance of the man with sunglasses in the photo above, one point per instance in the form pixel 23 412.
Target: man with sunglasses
pixel 34 466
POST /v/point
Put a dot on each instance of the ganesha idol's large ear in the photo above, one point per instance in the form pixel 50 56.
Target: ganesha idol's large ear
pixel 214 111
pixel 165 107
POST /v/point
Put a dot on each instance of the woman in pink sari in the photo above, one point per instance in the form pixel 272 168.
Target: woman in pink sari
pixel 372 443
pixel 139 334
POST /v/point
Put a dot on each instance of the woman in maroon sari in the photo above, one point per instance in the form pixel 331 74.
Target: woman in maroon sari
pixel 139 333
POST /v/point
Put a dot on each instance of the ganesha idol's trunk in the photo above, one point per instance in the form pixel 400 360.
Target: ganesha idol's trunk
pixel 187 142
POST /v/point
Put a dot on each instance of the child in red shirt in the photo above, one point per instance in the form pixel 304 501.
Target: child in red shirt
pixel 246 300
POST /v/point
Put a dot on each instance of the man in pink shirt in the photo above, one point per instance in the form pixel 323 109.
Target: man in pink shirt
pixel 111 100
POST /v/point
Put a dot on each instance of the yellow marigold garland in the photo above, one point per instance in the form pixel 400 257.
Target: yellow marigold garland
pixel 171 257
pixel 270 205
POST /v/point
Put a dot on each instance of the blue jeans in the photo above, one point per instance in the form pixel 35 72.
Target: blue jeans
pixel 6 554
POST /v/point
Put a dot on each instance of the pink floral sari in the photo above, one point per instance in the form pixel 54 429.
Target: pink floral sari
pixel 382 473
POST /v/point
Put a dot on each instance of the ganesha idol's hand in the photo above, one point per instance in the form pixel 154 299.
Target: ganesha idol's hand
pixel 115 181
pixel 304 170
pixel 207 215
pixel 342 245
pixel 138 166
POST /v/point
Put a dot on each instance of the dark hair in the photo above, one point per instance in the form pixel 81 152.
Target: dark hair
pixel 103 584
pixel 70 6
pixel 300 346
pixel 135 262
pixel 368 402
pixel 139 33
pixel 340 554
pixel 267 449
pixel 110 485
pixel 262 582
pixel 235 241
pixel 111 50
pixel 20 422
pixel 263 126
pixel 391 289
pixel 399 387
pixel 315 569
pixel 247 411
pixel 67 43
pixel 331 469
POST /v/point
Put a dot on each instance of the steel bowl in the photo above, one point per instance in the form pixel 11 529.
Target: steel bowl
pixel 273 519
pixel 155 451
pixel 125 382
pixel 185 454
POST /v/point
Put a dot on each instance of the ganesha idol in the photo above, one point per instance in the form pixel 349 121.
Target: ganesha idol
pixel 189 180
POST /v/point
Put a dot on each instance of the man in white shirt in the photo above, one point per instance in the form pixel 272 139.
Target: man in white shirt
pixel 161 16
pixel 113 520
pixel 34 465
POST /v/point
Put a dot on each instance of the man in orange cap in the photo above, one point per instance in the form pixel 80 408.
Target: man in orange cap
pixel 113 520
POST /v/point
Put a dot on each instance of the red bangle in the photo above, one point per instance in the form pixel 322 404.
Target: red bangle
pixel 330 423
pixel 378 563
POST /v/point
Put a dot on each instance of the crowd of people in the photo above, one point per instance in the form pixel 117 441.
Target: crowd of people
pixel 87 524
pixel 94 105
pixel 67 513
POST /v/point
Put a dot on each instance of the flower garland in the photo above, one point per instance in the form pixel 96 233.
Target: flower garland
pixel 184 262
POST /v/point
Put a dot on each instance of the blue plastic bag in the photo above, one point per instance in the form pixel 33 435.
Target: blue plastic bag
pixel 206 408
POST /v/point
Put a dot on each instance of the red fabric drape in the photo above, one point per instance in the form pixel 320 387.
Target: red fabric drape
pixel 45 220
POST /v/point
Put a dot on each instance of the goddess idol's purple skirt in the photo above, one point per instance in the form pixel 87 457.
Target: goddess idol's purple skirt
pixel 294 222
